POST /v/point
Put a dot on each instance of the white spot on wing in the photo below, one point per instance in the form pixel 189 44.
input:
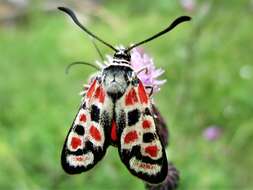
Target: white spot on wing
pixel 81 160
pixel 146 168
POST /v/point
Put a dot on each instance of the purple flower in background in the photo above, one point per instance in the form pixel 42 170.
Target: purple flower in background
pixel 188 5
pixel 149 77
pixel 212 133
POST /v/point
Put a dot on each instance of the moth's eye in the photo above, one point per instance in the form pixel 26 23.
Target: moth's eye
pixel 130 75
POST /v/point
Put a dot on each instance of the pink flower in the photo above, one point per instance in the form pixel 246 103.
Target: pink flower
pixel 188 5
pixel 140 60
pixel 212 133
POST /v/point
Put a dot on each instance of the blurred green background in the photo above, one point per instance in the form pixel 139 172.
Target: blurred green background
pixel 207 63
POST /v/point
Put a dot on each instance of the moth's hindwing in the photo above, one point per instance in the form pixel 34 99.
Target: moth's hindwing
pixel 86 141
pixel 140 147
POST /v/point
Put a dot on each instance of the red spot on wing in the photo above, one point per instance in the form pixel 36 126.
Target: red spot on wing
pixel 100 94
pixel 79 158
pixel 148 166
pixel 152 150
pixel 97 92
pixel 131 97
pixel 75 142
pixel 82 118
pixel 94 132
pixel 142 165
pixel 131 137
pixel 145 165
pixel 114 136
pixel 146 124
pixel 142 94
pixel 91 89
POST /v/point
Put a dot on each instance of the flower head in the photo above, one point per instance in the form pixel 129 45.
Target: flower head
pixel 149 77
pixel 188 5
pixel 212 133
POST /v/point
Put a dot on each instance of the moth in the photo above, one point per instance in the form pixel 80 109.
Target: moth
pixel 117 110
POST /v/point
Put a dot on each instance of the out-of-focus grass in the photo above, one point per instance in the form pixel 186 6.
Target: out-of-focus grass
pixel 209 72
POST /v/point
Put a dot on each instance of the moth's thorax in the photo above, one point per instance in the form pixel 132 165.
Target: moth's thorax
pixel 116 79
pixel 122 56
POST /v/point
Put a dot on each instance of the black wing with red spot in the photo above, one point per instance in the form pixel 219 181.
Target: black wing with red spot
pixel 86 141
pixel 140 147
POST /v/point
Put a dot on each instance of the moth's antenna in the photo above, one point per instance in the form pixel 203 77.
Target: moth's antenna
pixel 74 18
pixel 170 27
pixel 79 63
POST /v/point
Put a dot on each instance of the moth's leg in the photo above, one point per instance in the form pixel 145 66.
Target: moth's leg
pixel 141 70
pixel 151 90
pixel 100 65
pixel 85 89
pixel 69 66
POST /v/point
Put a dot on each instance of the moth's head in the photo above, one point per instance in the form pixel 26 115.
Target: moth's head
pixel 116 79
pixel 122 55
